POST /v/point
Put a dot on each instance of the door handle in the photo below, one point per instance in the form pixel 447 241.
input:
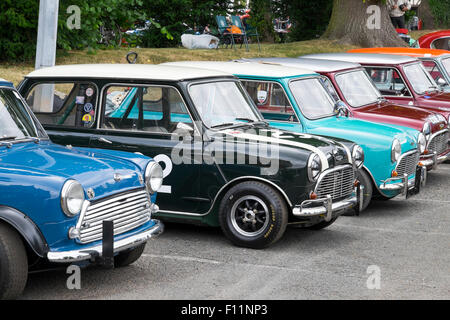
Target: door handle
pixel 104 140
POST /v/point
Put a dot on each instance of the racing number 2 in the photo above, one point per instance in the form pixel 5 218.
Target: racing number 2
pixel 168 166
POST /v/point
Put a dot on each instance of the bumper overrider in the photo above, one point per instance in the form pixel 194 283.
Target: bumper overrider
pixel 432 160
pixel 327 208
pixel 407 187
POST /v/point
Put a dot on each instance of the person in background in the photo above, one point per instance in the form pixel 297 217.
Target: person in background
pixel 397 9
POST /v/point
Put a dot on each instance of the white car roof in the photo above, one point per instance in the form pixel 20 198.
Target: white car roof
pixel 125 71
pixel 317 65
pixel 246 68
pixel 363 58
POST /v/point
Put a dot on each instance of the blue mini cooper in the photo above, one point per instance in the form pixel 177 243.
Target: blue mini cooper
pixel 67 205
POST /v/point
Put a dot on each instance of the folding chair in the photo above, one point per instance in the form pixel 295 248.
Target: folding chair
pixel 248 32
pixel 225 36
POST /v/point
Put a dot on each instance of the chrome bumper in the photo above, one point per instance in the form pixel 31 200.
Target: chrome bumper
pixel 408 187
pixel 326 207
pixel 432 160
pixel 93 252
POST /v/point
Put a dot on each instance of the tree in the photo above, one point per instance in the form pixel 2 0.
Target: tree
pixel 362 22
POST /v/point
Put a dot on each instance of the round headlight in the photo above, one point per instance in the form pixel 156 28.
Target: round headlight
pixel 72 198
pixel 153 177
pixel 314 167
pixel 427 130
pixel 421 143
pixel 358 156
pixel 396 150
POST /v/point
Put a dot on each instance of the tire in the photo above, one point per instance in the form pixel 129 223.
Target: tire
pixel 13 263
pixel 253 215
pixel 126 258
pixel 366 182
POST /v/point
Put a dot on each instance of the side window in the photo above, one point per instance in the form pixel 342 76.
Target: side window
pixel 388 81
pixel 145 108
pixel 64 104
pixel 443 44
pixel 271 100
pixel 433 69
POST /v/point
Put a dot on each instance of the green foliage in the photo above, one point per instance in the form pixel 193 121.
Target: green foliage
pixel 310 18
pixel 441 12
pixel 18 21
pixel 262 15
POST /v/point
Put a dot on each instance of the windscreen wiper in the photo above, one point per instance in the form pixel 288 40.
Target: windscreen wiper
pixel 223 125
pixel 7 138
pixel 245 119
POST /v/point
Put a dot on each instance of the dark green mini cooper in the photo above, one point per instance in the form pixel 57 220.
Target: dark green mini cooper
pixel 223 165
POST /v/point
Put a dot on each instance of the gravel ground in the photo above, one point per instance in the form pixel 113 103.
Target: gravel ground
pixel 407 241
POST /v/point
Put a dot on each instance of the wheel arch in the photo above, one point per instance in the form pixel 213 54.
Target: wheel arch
pixel 26 228
pixel 236 181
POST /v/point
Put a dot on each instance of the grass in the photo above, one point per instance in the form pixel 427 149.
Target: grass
pixel 15 73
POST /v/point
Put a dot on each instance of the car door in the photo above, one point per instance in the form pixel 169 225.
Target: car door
pixel 153 120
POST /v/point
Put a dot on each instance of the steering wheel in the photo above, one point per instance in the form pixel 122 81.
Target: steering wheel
pixel 132 57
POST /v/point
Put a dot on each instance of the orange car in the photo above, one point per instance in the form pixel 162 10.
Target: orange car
pixel 437 62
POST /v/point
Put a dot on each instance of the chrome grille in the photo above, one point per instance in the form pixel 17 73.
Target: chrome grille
pixel 408 163
pixel 127 211
pixel 439 143
pixel 337 182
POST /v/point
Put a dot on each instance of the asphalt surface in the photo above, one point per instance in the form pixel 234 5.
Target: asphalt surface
pixel 408 241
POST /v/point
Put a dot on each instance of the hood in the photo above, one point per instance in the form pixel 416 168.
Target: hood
pixel 439 100
pixel 90 167
pixel 369 135
pixel 389 113
pixel 332 153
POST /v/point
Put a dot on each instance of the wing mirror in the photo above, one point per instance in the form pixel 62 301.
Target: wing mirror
pixel 340 109
pixel 441 82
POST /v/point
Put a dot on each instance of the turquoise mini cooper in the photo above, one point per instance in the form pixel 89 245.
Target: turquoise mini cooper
pixel 296 100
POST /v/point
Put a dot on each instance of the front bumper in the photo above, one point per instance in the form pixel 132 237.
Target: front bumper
pixel 432 160
pixel 325 206
pixel 406 186
pixel 93 252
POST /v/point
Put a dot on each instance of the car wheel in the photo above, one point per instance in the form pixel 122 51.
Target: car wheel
pixel 253 215
pixel 13 263
pixel 366 182
pixel 126 258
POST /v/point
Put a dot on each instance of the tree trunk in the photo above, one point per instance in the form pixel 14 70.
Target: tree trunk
pixel 349 24
pixel 424 13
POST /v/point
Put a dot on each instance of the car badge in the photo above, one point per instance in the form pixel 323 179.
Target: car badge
pixel 117 177
pixel 91 193
pixel 442 125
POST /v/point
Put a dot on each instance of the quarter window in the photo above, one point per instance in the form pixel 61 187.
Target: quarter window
pixel 271 100
pixel 145 108
pixel 64 104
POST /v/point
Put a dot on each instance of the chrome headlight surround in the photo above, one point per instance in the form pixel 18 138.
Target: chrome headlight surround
pixel 421 143
pixel 396 150
pixel 358 156
pixel 314 167
pixel 427 130
pixel 153 177
pixel 72 198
